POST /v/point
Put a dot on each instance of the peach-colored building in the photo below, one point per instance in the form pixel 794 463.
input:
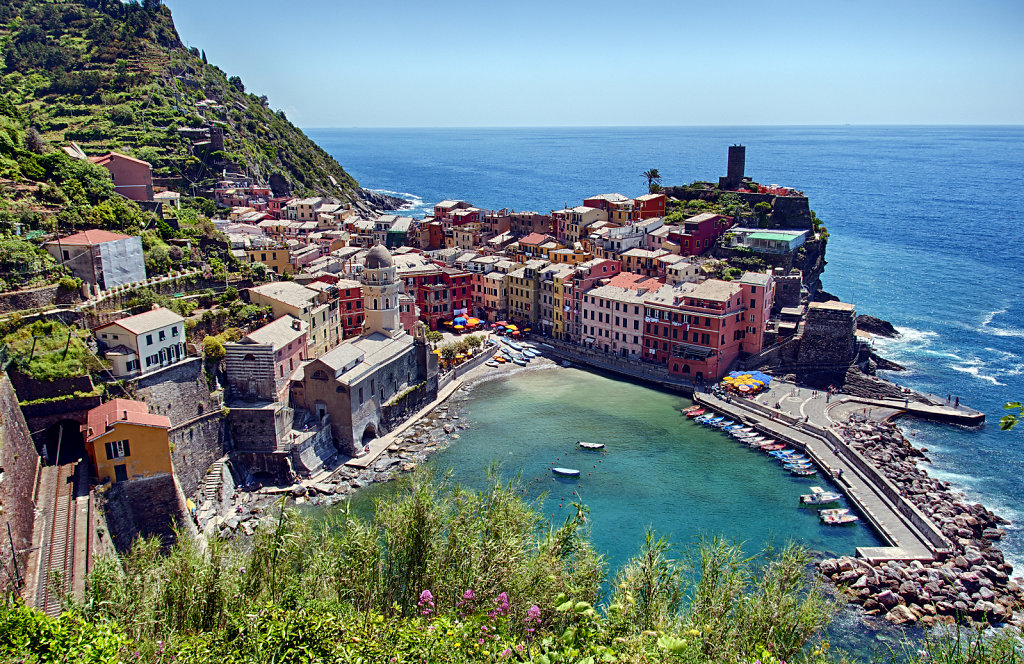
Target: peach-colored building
pixel 133 178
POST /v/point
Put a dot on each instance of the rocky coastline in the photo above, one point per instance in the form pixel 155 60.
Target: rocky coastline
pixel 972 584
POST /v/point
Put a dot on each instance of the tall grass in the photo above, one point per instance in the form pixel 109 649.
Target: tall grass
pixel 299 583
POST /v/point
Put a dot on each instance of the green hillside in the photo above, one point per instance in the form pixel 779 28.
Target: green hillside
pixel 115 76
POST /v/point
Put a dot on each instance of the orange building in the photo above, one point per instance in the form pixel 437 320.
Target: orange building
pixel 126 442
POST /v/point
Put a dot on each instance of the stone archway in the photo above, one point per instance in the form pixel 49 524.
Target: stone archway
pixel 62 442
pixel 369 433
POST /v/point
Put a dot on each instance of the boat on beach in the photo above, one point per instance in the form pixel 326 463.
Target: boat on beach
pixel 566 472
pixel 590 446
pixel 819 496
pixel 491 363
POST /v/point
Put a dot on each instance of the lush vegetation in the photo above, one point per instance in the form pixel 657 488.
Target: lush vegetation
pixel 728 204
pixel 443 575
pixel 48 350
pixel 115 76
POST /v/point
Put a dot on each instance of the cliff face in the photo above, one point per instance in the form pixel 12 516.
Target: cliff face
pixel 112 75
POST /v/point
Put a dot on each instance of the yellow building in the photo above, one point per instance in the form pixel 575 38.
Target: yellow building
pixel 562 283
pixel 125 441
pixel 278 259
pixel 523 292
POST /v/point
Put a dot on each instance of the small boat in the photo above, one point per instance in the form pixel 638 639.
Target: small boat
pixel 566 472
pixel 690 409
pixel 803 471
pixel 536 352
pixel 491 363
pixel 723 424
pixel 732 427
pixel 796 464
pixel 514 346
pixel 520 361
pixel 590 446
pixel 529 353
pixel 833 511
pixel 819 496
pixel 839 520
pixel 522 356
pixel 772 448
pixel 500 360
pixel 713 421
pixel 695 413
pixel 743 431
pixel 755 441
pixel 566 363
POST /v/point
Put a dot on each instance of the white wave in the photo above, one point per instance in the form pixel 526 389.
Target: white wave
pixel 975 370
pixel 988 328
pixel 910 335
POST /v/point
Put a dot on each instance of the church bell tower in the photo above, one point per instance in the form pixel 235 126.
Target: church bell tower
pixel 381 289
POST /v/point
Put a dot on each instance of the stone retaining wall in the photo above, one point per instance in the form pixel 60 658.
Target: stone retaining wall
pixel 19 465
pixel 148 506
pixel 196 445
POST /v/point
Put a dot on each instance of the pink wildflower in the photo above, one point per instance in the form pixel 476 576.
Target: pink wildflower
pixel 501 605
pixel 426 603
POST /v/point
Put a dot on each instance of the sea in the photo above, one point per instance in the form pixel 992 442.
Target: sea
pixel 925 226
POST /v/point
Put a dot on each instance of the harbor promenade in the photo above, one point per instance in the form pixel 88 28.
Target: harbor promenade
pixel 910 535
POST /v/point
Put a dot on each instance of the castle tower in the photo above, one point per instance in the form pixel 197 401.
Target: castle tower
pixel 737 164
pixel 380 293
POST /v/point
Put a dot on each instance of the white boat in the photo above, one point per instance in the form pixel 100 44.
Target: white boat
pixel 490 363
pixel 590 446
pixel 742 431
pixel 819 496
pixel 833 511
pixel 840 520
pixel 566 472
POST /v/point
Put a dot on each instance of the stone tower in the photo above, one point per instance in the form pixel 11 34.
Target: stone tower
pixel 737 164
pixel 380 294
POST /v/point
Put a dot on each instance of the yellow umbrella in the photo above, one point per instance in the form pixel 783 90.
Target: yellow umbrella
pixel 460 327
pixel 472 321
pixel 511 327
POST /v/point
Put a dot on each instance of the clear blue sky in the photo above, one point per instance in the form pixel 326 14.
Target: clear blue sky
pixel 395 63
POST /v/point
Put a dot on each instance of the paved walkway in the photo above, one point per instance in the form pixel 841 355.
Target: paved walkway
pixel 906 543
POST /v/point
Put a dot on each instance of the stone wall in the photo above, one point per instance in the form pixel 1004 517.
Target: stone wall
pixel 179 391
pixel 197 427
pixel 276 464
pixel 18 467
pixel 259 429
pixel 195 446
pixel 30 389
pixel 36 298
pixel 828 334
pixel 311 454
pixel 148 506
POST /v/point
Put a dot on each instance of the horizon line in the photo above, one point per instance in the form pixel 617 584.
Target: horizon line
pixel 695 126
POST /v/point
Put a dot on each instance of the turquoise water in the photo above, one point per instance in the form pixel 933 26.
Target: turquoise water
pixel 658 470
pixel 925 232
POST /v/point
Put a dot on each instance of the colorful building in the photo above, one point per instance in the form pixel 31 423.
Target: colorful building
pixel 260 364
pixel 699 233
pixel 126 442
pixel 143 343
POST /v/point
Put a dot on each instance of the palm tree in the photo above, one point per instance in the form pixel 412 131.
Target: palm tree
pixel 652 176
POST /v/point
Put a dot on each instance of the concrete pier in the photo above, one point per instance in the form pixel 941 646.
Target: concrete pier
pixel 910 534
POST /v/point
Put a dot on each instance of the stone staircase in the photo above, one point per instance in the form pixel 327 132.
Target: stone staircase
pixel 212 483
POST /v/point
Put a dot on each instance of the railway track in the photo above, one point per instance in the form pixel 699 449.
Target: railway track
pixel 58 554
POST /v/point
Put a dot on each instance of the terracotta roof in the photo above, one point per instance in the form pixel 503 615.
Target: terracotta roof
pixel 104 158
pixel 90 238
pixel 120 410
pixel 534 238
pixel 147 321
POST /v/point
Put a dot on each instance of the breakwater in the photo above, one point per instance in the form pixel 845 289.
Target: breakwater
pixel 942 563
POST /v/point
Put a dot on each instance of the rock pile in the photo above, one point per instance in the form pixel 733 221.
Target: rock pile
pixel 972 585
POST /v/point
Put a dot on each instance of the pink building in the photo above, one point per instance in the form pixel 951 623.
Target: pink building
pixel 260 365
pixel 586 276
pixel 133 178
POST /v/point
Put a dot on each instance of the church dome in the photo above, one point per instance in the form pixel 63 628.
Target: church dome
pixel 377 258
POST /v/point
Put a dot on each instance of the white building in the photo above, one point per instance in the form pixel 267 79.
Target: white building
pixel 143 343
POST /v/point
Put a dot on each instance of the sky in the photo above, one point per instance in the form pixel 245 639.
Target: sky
pixel 447 63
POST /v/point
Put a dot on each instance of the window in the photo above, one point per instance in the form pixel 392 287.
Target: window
pixel 149 339
pixel 162 335
pixel 67 255
pixel 174 331
pixel 117 449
